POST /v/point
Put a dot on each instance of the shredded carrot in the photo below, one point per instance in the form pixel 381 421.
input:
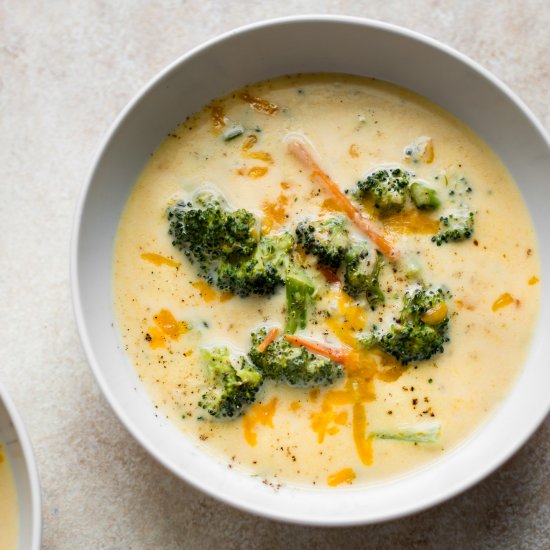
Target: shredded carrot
pixel 270 336
pixel 336 355
pixel 300 151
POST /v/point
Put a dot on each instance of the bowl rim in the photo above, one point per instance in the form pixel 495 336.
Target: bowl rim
pixel 474 477
pixel 30 467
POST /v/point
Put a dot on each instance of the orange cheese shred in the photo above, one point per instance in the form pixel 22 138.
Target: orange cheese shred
pixel 354 151
pixel 274 213
pixel 260 104
pixel 411 222
pixel 502 301
pixel 346 475
pixel 217 117
pixel 158 260
pixel 436 314
pixel 258 414
pixel 533 280
pixel 363 444
pixel 261 155
pixel 208 294
pixel 155 337
pixel 257 172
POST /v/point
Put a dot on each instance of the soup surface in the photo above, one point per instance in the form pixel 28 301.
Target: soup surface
pixel 8 504
pixel 385 416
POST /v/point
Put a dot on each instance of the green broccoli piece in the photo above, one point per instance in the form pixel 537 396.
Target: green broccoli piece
pixel 424 197
pixel 454 227
pixel 260 274
pixel 210 232
pixel 300 292
pixel 234 383
pixel 327 239
pixel 388 188
pixel 294 365
pixel 414 337
pixel 363 266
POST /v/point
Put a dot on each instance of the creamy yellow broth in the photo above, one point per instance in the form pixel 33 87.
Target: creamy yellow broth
pixel 8 504
pixel 166 312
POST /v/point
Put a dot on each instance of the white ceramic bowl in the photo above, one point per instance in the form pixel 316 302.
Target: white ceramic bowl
pixel 19 451
pixel 265 50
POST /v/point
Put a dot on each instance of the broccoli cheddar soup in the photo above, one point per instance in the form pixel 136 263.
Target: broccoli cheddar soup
pixel 325 279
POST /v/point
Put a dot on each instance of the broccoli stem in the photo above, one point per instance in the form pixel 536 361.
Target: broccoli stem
pixel 300 291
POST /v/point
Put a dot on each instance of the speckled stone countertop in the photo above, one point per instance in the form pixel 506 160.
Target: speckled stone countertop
pixel 66 70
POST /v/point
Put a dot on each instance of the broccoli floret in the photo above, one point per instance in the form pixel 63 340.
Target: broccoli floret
pixel 234 383
pixel 327 239
pixel 260 274
pixel 388 188
pixel 363 266
pixel 294 365
pixel 424 197
pixel 418 302
pixel 300 292
pixel 421 330
pixel 210 232
pixel 454 227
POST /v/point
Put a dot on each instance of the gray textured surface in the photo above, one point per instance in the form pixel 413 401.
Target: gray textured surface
pixel 66 70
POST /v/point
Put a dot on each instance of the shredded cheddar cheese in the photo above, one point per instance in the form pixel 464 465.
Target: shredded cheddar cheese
pixel 217 118
pixel 436 314
pixel 207 293
pixel 354 151
pixel 156 337
pixel 411 222
pixel 158 260
pixel 346 475
pixel 274 213
pixel 259 104
pixel 502 301
pixel 257 172
pixel 258 414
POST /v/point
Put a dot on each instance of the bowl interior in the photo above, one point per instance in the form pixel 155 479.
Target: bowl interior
pixel 306 44
pixel 17 447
